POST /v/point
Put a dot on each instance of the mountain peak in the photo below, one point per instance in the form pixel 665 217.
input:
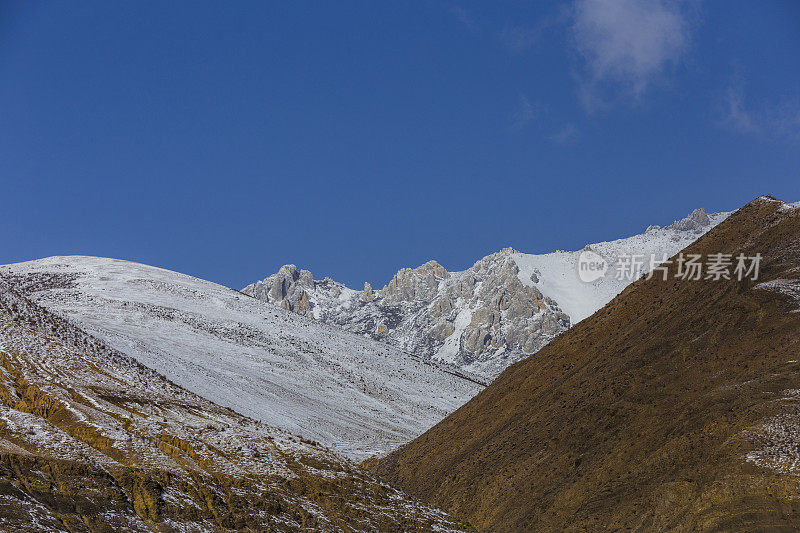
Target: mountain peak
pixel 697 221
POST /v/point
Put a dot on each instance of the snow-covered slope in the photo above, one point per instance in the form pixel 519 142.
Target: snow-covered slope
pixel 557 272
pixel 90 440
pixel 355 395
pixel 506 306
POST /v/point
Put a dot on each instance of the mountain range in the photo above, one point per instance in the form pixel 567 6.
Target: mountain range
pixel 511 396
pixel 504 308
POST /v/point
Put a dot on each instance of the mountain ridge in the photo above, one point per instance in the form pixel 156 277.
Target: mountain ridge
pixel 507 306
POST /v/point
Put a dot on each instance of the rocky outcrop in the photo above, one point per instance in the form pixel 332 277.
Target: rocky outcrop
pixel 367 295
pixel 287 288
pixel 480 319
pixel 417 284
pixel 697 221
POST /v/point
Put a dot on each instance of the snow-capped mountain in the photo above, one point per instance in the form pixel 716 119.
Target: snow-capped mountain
pixel 352 394
pixel 505 307
pixel 90 440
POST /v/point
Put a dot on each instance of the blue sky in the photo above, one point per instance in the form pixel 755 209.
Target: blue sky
pixel 354 138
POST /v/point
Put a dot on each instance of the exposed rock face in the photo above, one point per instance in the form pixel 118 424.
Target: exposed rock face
pixel 481 319
pixel 367 295
pixel 506 306
pixel 288 289
pixel 419 283
pixel 697 221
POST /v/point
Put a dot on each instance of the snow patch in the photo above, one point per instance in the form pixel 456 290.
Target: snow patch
pixel 788 287
pixel 448 352
pixel 778 444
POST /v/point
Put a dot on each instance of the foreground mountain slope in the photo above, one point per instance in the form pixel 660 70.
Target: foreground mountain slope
pixel 92 441
pixel 355 395
pixel 675 407
pixel 506 306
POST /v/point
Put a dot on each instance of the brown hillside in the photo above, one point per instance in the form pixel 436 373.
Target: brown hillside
pixel 676 407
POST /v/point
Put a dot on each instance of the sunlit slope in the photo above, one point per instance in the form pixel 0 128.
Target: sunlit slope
pixel 673 408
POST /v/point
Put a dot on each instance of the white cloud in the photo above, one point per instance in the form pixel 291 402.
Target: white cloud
pixel 627 43
pixel 768 121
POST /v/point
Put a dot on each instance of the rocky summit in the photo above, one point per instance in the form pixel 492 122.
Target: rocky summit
pixel 506 306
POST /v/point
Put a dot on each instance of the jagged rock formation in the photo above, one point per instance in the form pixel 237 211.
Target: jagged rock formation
pixel 92 441
pixel 479 320
pixel 676 407
pixel 696 221
pixel 506 306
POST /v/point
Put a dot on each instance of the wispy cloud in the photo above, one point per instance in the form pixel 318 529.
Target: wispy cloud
pixel 519 39
pixel 773 121
pixel 526 111
pixel 787 120
pixel 737 116
pixel 463 16
pixel 535 116
pixel 566 134
pixel 627 44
